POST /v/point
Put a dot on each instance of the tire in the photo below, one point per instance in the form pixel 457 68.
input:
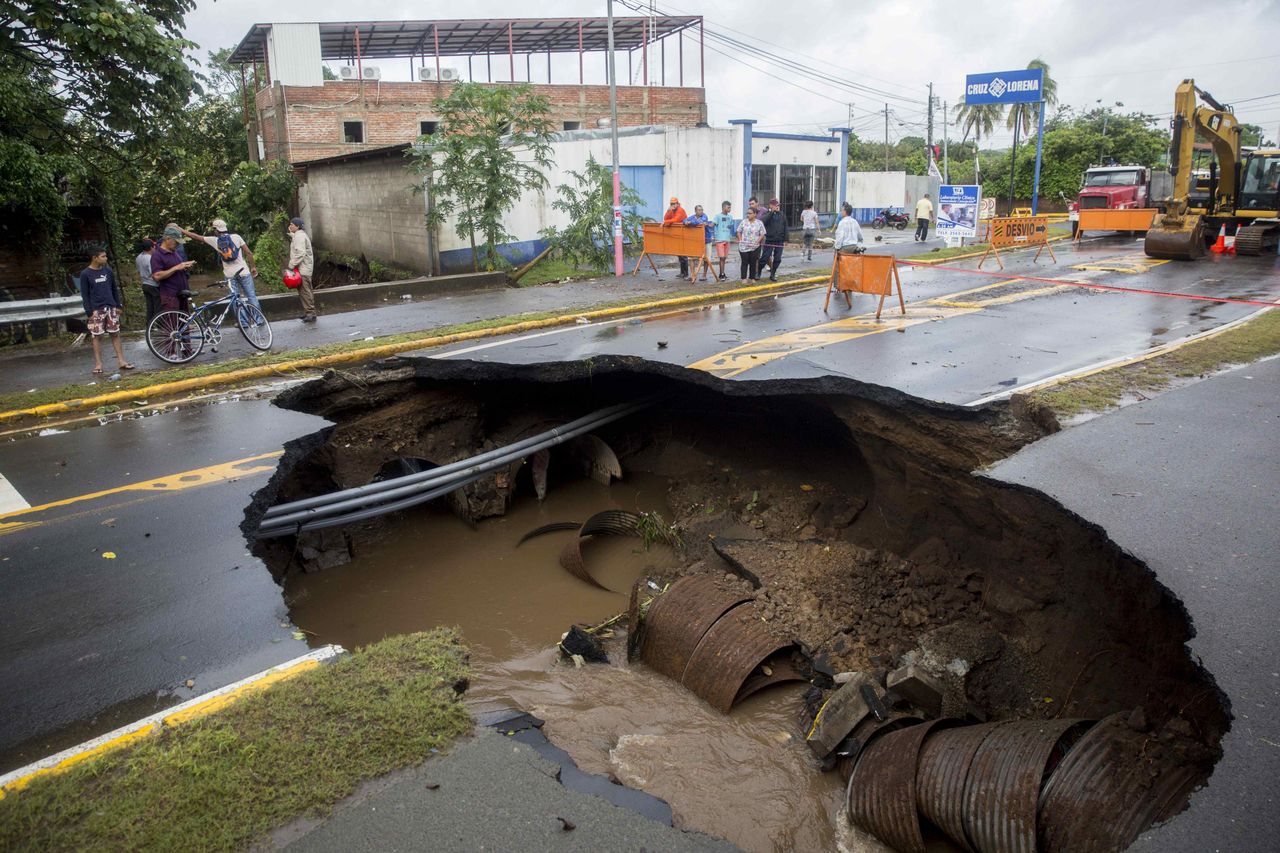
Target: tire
pixel 175 337
pixel 877 223
pixel 901 226
pixel 254 326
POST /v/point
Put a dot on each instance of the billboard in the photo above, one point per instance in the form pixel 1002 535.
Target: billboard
pixel 958 210
pixel 1005 87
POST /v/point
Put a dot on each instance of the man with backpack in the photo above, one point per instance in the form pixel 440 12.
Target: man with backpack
pixel 237 261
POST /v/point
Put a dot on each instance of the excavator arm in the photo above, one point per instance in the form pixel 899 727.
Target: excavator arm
pixel 1178 234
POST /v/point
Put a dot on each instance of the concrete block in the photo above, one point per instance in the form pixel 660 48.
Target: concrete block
pixel 917 687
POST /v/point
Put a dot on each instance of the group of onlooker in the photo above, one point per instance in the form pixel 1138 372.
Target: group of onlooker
pixel 164 272
pixel 760 235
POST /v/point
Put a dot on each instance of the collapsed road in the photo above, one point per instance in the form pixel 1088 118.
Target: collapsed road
pixel 834 536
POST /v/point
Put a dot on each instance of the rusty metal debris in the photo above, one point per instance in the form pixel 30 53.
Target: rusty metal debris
pixel 714 642
pixel 882 790
pixel 1104 774
pixel 611 522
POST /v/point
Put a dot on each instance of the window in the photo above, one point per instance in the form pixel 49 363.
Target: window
pixel 764 183
pixel 824 189
pixel 426 128
pixel 353 131
pixel 573 125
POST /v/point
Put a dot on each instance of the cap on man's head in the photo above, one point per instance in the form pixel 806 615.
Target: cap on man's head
pixel 219 225
pixel 675 200
pixel 297 220
pixel 773 201
pixel 172 231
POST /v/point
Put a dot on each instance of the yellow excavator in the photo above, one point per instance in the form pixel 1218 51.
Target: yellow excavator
pixel 1243 193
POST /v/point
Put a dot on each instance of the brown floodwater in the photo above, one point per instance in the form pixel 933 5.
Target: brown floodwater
pixel 744 777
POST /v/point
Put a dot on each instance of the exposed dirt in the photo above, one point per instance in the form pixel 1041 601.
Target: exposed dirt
pixel 853 507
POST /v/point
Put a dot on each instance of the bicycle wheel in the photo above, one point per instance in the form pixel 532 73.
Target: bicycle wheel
pixel 175 337
pixel 254 326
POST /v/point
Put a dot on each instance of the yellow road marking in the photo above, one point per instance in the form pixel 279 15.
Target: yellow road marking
pixel 1132 264
pixel 181 481
pixel 744 357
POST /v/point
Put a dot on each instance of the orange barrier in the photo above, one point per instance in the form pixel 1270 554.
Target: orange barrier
pixel 682 241
pixel 1020 231
pixel 874 274
pixel 1104 219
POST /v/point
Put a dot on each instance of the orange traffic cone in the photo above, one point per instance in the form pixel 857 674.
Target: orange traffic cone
pixel 1220 245
pixel 1231 246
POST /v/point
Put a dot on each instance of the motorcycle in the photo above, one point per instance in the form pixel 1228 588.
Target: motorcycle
pixel 888 218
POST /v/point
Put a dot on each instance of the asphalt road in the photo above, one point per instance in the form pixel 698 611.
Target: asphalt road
pixel 89 641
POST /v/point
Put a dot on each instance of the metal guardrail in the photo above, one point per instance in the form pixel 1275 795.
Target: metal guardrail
pixel 35 310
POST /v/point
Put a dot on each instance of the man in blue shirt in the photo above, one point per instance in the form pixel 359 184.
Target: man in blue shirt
pixel 726 228
pixel 102 307
pixel 700 218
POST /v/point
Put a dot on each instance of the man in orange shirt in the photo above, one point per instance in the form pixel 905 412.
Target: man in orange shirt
pixel 675 215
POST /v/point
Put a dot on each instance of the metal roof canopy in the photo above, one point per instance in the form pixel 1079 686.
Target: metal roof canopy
pixel 479 37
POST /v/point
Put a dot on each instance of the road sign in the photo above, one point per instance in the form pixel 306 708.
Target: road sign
pixel 958 210
pixel 1024 86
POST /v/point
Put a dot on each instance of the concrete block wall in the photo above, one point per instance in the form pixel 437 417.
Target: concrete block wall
pixel 392 112
pixel 367 206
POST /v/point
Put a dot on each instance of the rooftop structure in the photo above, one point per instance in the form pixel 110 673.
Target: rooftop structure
pixel 301 113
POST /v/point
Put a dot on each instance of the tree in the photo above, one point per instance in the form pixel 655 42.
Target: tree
pixel 106 70
pixel 588 201
pixel 1252 134
pixel 978 119
pixel 1022 113
pixel 491 145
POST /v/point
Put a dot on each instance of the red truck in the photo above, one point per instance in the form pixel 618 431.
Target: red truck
pixel 1120 188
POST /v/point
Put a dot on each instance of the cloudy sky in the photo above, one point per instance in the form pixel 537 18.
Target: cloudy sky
pixel 868 54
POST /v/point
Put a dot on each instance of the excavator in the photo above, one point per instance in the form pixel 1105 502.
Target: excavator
pixel 1243 192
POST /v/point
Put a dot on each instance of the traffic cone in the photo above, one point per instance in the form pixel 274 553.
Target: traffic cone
pixel 1231 246
pixel 1220 245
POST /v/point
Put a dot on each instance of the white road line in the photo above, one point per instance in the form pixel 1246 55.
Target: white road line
pixel 10 500
pixel 502 342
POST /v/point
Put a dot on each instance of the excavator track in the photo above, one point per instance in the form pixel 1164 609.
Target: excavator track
pixel 1257 239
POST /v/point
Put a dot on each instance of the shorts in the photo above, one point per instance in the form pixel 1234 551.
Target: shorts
pixel 722 250
pixel 104 321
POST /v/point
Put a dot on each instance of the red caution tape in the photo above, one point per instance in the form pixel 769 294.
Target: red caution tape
pixel 1094 286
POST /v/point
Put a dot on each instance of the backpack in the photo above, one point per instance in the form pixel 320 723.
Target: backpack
pixel 227 249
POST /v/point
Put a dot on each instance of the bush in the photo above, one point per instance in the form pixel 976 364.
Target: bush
pixel 255 192
pixel 271 253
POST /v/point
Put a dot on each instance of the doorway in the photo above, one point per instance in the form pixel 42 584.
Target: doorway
pixel 795 182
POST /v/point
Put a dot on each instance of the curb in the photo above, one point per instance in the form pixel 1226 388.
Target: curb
pixel 192 709
pixel 932 261
pixel 268 370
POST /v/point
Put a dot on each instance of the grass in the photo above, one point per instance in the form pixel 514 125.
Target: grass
pixel 555 269
pixel 1248 342
pixel 293 749
pixel 950 252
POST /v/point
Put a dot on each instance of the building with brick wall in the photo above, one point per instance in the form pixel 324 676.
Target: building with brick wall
pixel 298 115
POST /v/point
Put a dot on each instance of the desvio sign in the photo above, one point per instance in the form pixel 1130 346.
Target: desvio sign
pixel 1005 87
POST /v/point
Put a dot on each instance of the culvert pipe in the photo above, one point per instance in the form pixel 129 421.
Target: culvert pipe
pixel 302 515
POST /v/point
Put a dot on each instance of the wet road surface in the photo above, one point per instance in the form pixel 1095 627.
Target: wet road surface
pixel 84 633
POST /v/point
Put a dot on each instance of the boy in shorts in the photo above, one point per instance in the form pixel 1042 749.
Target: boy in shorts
pixel 102 307
pixel 725 232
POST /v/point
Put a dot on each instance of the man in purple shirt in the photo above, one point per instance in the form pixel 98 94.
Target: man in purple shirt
pixel 170 270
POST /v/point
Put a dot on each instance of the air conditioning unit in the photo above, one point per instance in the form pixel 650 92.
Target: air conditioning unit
pixel 428 73
pixel 347 72
pixel 372 72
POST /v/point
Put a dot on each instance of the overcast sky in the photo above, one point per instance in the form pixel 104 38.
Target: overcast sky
pixel 872 53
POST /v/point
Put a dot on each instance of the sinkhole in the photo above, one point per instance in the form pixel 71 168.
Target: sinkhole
pixel 854 525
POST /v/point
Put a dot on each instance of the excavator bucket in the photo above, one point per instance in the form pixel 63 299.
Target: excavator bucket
pixel 1175 238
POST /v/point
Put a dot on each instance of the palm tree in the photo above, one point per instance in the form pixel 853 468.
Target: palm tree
pixel 979 118
pixel 1021 113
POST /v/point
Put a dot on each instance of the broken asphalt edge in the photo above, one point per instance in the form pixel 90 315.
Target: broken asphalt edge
pixel 192 709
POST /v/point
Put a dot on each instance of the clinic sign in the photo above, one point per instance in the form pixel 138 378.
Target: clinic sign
pixel 1005 87
pixel 958 208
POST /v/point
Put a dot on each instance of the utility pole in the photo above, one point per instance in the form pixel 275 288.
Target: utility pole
pixel 613 133
pixel 1013 158
pixel 886 137
pixel 946 177
pixel 929 133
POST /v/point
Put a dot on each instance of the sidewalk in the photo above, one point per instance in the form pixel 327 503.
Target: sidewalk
pixel 47 366
pixel 1189 482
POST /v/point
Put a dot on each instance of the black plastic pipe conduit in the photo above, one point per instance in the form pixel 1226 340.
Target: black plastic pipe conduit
pixel 351 505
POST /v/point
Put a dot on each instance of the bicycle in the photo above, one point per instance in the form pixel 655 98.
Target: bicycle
pixel 179 336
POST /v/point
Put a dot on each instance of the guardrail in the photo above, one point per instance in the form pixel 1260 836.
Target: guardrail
pixel 35 310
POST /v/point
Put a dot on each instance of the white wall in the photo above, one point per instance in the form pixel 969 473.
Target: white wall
pixel 294 53
pixel 804 152
pixel 888 189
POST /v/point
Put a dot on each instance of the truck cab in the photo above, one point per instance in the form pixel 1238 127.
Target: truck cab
pixel 1113 188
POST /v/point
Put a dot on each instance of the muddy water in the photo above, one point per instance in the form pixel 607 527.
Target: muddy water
pixel 743 777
